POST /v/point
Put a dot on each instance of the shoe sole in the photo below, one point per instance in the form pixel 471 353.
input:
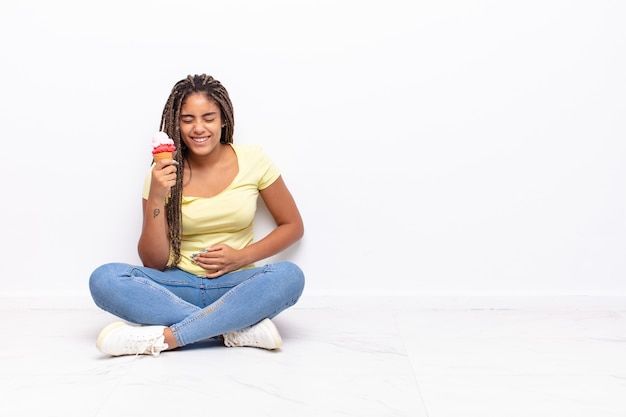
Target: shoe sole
pixel 269 325
pixel 106 331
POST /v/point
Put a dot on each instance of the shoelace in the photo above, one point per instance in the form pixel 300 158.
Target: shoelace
pixel 244 336
pixel 154 347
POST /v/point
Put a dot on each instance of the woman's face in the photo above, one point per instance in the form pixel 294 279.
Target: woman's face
pixel 200 124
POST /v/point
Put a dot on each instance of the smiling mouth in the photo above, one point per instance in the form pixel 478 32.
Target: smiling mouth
pixel 200 140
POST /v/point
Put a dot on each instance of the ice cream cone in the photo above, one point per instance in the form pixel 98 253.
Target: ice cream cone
pixel 163 155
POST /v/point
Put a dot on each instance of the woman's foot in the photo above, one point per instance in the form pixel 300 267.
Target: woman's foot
pixel 119 339
pixel 263 335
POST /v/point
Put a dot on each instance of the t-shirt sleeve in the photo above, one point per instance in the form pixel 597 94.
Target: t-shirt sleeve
pixel 268 170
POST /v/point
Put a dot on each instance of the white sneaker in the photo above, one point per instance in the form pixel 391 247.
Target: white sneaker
pixel 263 335
pixel 119 339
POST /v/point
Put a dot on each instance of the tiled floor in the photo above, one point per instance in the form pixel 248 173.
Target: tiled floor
pixel 378 362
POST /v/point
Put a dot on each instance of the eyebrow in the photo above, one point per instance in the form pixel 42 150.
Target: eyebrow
pixel 211 113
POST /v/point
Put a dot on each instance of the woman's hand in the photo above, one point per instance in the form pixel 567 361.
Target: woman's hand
pixel 163 178
pixel 219 259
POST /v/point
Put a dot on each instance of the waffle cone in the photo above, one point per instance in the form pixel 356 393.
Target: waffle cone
pixel 162 155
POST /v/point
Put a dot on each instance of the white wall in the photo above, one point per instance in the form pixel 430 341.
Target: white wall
pixel 434 147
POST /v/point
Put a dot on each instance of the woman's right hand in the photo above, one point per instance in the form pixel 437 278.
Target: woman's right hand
pixel 163 178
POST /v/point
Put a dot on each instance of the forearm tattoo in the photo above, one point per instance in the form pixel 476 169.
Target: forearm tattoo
pixel 156 212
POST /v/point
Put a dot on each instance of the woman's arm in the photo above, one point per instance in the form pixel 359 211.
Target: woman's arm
pixel 289 225
pixel 154 243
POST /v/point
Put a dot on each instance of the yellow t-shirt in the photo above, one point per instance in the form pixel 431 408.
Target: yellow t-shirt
pixel 229 216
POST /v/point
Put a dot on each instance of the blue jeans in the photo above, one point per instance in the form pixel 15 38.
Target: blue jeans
pixel 196 308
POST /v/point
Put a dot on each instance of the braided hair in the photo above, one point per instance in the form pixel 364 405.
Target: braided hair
pixel 170 124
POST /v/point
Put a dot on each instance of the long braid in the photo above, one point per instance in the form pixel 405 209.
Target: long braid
pixel 170 124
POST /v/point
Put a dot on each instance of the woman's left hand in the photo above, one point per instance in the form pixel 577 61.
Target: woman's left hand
pixel 219 259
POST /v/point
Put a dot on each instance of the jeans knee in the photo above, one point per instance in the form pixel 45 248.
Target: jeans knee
pixel 97 283
pixel 293 278
pixel 100 280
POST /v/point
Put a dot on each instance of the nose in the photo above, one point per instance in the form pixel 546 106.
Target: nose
pixel 198 128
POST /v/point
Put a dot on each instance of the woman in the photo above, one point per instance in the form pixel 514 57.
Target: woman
pixel 199 280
